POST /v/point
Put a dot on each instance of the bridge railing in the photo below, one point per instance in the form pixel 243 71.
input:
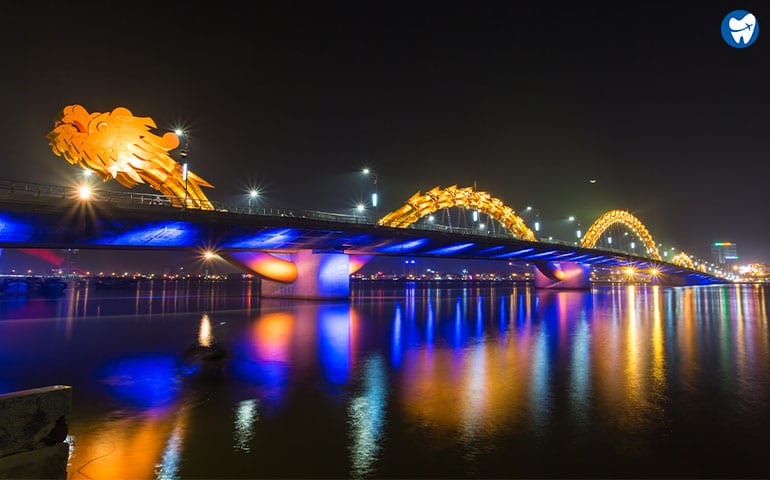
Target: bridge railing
pixel 58 192
pixel 27 188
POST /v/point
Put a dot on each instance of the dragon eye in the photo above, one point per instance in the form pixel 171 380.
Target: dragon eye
pixel 79 126
pixel 101 126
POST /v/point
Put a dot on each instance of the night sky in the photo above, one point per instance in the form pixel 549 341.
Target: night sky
pixel 529 100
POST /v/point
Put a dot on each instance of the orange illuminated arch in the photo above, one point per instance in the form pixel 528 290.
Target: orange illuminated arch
pixel 623 217
pixel 422 205
pixel 683 260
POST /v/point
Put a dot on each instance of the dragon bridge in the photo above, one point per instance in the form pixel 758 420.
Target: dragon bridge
pixel 683 260
pixel 119 145
pixel 421 205
pixel 622 217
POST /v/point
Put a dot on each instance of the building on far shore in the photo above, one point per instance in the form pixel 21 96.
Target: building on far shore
pixel 724 253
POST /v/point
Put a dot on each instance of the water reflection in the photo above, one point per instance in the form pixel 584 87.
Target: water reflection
pixel 367 416
pixel 246 416
pixel 469 373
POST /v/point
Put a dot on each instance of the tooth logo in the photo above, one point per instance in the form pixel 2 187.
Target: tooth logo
pixel 740 28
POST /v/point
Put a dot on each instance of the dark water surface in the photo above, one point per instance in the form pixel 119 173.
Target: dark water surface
pixel 406 381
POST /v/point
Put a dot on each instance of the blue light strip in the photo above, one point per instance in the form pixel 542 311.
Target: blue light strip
pixel 542 254
pixel 407 246
pixel 603 261
pixel 274 238
pixel 564 255
pixel 450 249
pixel 513 254
pixel 491 249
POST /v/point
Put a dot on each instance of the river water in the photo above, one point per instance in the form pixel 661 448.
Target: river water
pixel 404 380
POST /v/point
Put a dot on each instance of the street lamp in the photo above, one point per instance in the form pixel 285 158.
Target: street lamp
pixel 375 194
pixel 84 192
pixel 253 193
pixel 536 223
pixel 183 153
pixel 578 230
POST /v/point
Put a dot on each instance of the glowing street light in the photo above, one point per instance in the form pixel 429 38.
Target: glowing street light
pixel 375 194
pixel 578 231
pixel 84 192
pixel 183 154
pixel 530 209
pixel 253 194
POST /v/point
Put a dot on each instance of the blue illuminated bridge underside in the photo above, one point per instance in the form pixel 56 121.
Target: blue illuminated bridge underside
pixel 37 223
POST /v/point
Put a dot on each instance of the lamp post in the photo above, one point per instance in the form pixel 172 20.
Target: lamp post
pixel 376 194
pixel 253 193
pixel 536 222
pixel 578 231
pixel 183 153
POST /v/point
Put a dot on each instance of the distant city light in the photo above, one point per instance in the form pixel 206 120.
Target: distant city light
pixel 374 199
pixel 254 193
pixel 360 207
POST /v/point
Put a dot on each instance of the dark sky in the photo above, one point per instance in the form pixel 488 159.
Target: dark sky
pixel 529 99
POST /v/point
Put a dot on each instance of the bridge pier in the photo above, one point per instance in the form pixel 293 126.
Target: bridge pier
pixel 304 274
pixel 566 275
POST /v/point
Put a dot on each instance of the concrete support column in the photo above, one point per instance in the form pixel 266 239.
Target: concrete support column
pixel 567 275
pixel 311 275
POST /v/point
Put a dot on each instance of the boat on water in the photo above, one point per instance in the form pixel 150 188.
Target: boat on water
pixel 32 286
pixel 15 287
pixel 50 287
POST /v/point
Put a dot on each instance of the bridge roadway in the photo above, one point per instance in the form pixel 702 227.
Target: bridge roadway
pixel 56 219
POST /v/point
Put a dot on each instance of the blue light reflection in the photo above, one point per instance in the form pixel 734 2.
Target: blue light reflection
pixel 146 381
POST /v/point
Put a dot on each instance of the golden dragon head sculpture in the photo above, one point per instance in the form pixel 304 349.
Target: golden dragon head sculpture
pixel 119 145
